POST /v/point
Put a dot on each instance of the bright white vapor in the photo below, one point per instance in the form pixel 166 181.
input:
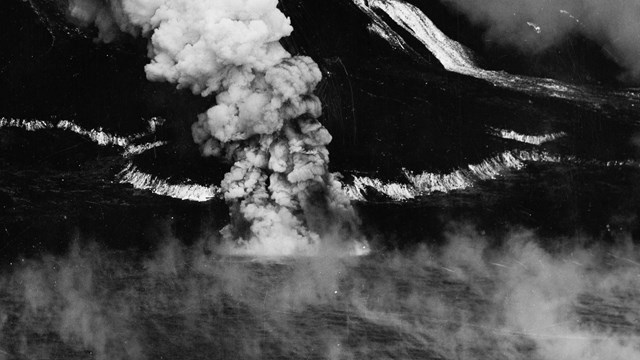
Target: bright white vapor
pixel 281 195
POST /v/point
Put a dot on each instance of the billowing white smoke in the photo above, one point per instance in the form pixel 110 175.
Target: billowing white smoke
pixel 281 195
pixel 535 25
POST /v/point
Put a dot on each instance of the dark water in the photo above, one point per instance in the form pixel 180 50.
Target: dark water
pixel 537 262
pixel 465 300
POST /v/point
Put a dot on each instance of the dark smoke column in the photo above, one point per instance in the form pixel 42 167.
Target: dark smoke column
pixel 282 198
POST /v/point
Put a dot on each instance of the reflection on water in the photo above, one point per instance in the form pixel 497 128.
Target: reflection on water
pixel 468 299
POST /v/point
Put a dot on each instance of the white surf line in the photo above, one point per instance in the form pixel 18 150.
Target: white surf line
pixel 417 185
pixel 456 58
pixel 382 29
pixel 29 125
pixel 133 150
pixel 98 136
pixel 144 181
pixel 565 12
pixel 535 27
pixel 427 183
pixel 391 37
pixel 452 55
pixel 528 139
pixel 395 191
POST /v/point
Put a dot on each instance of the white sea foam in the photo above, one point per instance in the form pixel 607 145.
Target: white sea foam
pixel 416 185
pixel 132 150
pixel 426 183
pixel 381 28
pixel 98 136
pixel 528 139
pixel 29 125
pixel 144 181
pixel 390 36
pixel 456 58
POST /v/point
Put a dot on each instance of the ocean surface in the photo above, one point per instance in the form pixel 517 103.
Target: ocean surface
pixel 498 192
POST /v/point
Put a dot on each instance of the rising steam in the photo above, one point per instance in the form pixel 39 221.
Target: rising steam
pixel 280 192
pixel 476 297
pixel 536 25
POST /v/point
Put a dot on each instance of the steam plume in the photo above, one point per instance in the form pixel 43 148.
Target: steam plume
pixel 536 25
pixel 281 195
pixel 475 297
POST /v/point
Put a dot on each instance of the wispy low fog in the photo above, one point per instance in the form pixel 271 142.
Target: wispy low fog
pixel 472 298
pixel 536 25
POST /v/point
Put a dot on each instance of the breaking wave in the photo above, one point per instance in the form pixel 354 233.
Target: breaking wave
pixel 452 55
pixel 417 184
pixel 456 58
pixel 528 139
pixel 144 181
pixel 426 183
pixel 98 136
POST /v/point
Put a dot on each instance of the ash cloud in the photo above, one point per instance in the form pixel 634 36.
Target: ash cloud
pixel 537 25
pixel 281 195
